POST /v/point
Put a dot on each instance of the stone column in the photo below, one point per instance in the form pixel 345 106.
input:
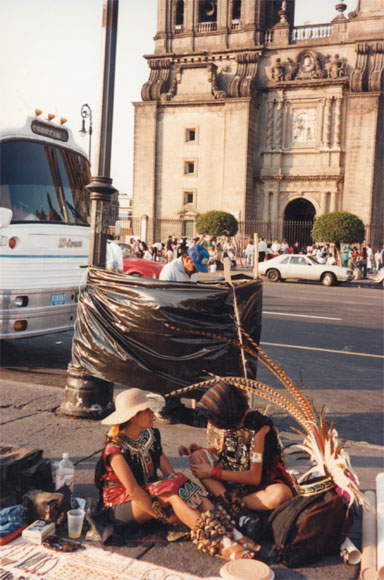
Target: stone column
pixel 333 203
pixel 327 122
pixel 339 102
pixel 279 125
pixel 223 16
pixel 323 202
pixel 266 206
pixel 275 207
pixel 270 114
pixel 189 11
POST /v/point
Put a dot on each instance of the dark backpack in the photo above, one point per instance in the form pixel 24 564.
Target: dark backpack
pixel 99 472
pixel 306 528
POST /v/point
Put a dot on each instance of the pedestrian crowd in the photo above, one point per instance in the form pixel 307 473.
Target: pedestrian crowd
pixel 363 260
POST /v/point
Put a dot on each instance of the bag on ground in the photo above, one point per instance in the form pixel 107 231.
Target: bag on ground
pixel 306 528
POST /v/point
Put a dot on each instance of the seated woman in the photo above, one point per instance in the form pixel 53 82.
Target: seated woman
pixel 246 460
pixel 127 475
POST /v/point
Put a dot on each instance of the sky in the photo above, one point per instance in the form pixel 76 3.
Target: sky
pixel 50 59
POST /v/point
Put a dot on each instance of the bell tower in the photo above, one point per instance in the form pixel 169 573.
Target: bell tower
pixel 189 25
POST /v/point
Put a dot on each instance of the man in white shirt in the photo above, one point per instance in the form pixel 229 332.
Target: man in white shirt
pixel 262 247
pixel 157 248
pixel 114 261
pixel 186 268
pixel 284 247
pixel 276 246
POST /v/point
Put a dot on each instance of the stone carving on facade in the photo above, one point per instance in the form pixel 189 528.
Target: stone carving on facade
pixel 336 67
pixel 359 76
pixel 177 78
pixel 216 92
pixel 172 89
pixel 376 76
pixel 278 71
pixel 242 84
pixel 158 81
pixel 306 66
pixel 303 126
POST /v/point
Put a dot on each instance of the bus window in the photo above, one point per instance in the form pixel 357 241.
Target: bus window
pixel 41 182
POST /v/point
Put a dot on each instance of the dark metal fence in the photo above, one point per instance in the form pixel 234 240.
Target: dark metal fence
pixel 157 230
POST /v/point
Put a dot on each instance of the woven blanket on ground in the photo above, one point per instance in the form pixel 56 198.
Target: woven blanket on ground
pixel 91 563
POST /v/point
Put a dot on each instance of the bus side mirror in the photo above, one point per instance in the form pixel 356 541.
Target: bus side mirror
pixel 5 217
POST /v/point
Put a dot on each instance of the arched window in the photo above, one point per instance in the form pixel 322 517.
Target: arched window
pixel 208 11
pixel 236 10
pixel 179 20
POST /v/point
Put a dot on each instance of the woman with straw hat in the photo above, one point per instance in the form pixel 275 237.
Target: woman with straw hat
pixel 132 493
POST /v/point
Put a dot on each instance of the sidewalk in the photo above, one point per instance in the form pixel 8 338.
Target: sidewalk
pixel 30 419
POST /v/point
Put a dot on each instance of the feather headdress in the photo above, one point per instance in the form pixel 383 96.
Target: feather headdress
pixel 320 442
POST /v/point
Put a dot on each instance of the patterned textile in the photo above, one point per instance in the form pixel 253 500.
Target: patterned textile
pixel 11 519
pixel 192 494
pixel 223 405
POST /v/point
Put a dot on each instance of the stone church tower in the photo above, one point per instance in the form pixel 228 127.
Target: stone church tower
pixel 245 113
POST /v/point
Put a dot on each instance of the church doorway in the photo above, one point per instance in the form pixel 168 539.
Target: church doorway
pixel 299 216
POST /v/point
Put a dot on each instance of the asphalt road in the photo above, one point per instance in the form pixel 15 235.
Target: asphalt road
pixel 328 339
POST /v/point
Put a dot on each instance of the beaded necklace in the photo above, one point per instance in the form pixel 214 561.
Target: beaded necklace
pixel 139 450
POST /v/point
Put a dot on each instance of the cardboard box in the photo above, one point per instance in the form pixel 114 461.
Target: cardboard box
pixel 37 532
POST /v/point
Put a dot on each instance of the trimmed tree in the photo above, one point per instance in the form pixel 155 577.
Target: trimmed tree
pixel 217 223
pixel 338 227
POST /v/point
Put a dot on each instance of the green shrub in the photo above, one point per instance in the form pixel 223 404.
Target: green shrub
pixel 217 223
pixel 338 227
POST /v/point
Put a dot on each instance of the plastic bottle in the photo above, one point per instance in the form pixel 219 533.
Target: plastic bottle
pixel 65 473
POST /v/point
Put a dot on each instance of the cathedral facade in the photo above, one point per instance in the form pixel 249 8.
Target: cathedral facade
pixel 246 113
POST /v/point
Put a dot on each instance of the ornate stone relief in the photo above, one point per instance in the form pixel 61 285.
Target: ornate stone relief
pixel 360 73
pixel 242 84
pixel 303 126
pixel 177 79
pixel 158 80
pixel 365 77
pixel 308 65
pixel 335 67
pixel 375 80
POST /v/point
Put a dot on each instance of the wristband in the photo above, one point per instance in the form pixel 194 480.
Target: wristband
pixel 217 472
pixel 256 457
pixel 159 512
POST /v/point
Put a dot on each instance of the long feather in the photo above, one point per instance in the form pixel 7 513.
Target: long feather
pixel 320 443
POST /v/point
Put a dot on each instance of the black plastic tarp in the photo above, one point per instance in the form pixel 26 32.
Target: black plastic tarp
pixel 121 333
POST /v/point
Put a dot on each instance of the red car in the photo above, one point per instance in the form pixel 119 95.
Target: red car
pixel 142 268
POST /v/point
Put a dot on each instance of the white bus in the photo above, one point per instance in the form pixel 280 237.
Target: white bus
pixel 44 239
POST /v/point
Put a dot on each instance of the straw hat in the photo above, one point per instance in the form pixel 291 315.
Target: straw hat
pixel 130 402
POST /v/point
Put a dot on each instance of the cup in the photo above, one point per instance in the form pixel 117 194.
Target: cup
pixel 75 523
pixel 349 552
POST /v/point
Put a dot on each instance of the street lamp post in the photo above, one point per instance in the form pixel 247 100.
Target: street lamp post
pixel 87 396
pixel 86 113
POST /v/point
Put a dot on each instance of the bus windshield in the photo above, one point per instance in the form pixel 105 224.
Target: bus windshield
pixel 43 182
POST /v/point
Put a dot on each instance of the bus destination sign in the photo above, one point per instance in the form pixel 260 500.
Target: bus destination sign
pixel 47 130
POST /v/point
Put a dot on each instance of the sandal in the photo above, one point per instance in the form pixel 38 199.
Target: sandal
pixel 245 541
pixel 213 534
pixel 231 550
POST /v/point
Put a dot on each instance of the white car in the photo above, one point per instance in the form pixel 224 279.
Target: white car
pixel 303 267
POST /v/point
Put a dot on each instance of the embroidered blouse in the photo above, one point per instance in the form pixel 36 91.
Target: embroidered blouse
pixel 234 446
pixel 142 456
